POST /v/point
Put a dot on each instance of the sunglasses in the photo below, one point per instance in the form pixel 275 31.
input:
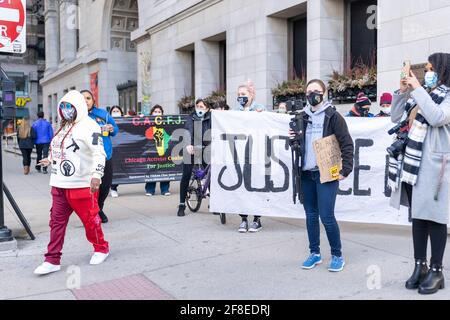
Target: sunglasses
pixel 66 105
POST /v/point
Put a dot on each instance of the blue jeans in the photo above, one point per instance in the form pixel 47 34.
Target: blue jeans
pixel 319 201
pixel 150 187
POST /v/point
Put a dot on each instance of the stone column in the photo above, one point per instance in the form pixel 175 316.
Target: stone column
pixel 68 30
pixel 207 68
pixel 51 36
pixel 325 37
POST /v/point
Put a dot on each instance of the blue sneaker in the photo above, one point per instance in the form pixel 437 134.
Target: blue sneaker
pixel 337 264
pixel 312 261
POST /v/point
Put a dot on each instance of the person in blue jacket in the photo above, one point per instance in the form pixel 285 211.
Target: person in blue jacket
pixel 44 135
pixel 109 129
pixel 361 108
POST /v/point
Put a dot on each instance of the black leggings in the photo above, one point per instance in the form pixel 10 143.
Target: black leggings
pixel 106 184
pixel 422 229
pixel 26 155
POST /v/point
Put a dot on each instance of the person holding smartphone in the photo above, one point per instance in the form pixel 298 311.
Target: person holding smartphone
pixel 419 177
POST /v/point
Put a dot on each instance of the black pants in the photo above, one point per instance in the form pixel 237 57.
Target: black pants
pixel 188 166
pixel 106 184
pixel 42 153
pixel 114 187
pixel 26 156
pixel 421 230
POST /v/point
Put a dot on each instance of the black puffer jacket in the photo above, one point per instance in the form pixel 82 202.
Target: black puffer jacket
pixel 193 126
pixel 334 123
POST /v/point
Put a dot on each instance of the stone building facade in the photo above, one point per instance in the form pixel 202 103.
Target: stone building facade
pixel 194 47
pixel 28 68
pixel 87 39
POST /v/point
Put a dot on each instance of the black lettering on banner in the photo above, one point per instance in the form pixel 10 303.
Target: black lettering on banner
pixel 270 148
pixel 248 169
pixel 387 188
pixel 95 138
pixel 232 138
pixel 361 143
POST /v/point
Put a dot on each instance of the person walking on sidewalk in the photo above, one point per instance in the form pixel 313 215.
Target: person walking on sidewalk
pixel 77 160
pixel 419 177
pixel 150 187
pixel 115 112
pixel 25 139
pixel 246 102
pixel 44 134
pixel 198 126
pixel 321 120
pixel 109 129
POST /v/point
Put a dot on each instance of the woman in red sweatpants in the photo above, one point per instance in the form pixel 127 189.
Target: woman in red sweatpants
pixel 77 160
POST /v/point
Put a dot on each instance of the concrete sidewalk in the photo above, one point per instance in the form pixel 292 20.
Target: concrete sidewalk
pixel 157 255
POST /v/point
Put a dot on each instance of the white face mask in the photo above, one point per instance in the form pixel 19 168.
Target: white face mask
pixel 116 114
pixel 386 110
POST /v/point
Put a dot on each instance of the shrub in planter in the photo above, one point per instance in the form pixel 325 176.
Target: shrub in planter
pixel 289 90
pixel 186 104
pixel 217 97
pixel 347 85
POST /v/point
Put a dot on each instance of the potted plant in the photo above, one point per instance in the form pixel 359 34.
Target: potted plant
pixel 289 90
pixel 346 86
pixel 216 97
pixel 186 104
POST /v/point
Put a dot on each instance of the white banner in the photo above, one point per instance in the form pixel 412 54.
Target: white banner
pixel 242 183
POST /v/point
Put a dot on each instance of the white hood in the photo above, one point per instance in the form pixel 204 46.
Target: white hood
pixel 76 99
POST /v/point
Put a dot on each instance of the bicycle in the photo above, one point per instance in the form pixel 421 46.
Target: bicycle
pixel 198 190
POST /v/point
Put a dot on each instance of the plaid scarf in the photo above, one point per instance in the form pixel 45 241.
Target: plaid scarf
pixel 406 167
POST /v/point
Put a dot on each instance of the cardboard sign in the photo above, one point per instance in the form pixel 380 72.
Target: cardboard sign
pixel 329 159
pixel 13 26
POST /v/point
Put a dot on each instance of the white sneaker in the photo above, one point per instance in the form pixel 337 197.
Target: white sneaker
pixel 114 194
pixel 149 194
pixel 98 258
pixel 47 268
pixel 166 194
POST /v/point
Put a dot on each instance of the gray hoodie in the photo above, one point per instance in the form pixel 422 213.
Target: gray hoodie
pixel 314 132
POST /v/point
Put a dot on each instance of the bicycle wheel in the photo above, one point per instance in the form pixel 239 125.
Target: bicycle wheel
pixel 223 218
pixel 194 197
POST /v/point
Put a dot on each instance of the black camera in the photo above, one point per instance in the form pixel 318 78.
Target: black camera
pixel 399 146
pixel 295 105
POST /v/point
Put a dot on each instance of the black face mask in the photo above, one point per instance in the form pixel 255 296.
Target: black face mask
pixel 242 101
pixel 314 98
pixel 364 112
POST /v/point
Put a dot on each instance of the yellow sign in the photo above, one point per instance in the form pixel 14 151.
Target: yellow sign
pixel 22 101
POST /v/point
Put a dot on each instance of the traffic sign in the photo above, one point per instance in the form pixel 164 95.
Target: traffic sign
pixel 13 26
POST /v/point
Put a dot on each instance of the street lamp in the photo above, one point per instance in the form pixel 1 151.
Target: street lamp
pixel 8 103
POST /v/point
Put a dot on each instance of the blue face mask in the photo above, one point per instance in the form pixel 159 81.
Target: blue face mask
pixel 67 110
pixel 431 79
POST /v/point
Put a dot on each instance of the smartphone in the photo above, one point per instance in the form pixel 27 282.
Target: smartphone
pixel 406 70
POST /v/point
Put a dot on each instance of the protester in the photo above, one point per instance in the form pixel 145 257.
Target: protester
pixel 418 177
pixel 220 106
pixel 246 102
pixel 198 126
pixel 361 108
pixel 109 129
pixel 150 187
pixel 25 139
pixel 115 112
pixel 44 134
pixel 77 158
pixel 385 104
pixel 282 108
pixel 319 198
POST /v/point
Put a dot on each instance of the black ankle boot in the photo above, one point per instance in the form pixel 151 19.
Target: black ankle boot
pixel 434 280
pixel 181 209
pixel 419 274
pixel 103 216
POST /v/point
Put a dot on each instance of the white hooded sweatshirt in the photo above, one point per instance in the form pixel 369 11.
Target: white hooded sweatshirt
pixel 76 152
